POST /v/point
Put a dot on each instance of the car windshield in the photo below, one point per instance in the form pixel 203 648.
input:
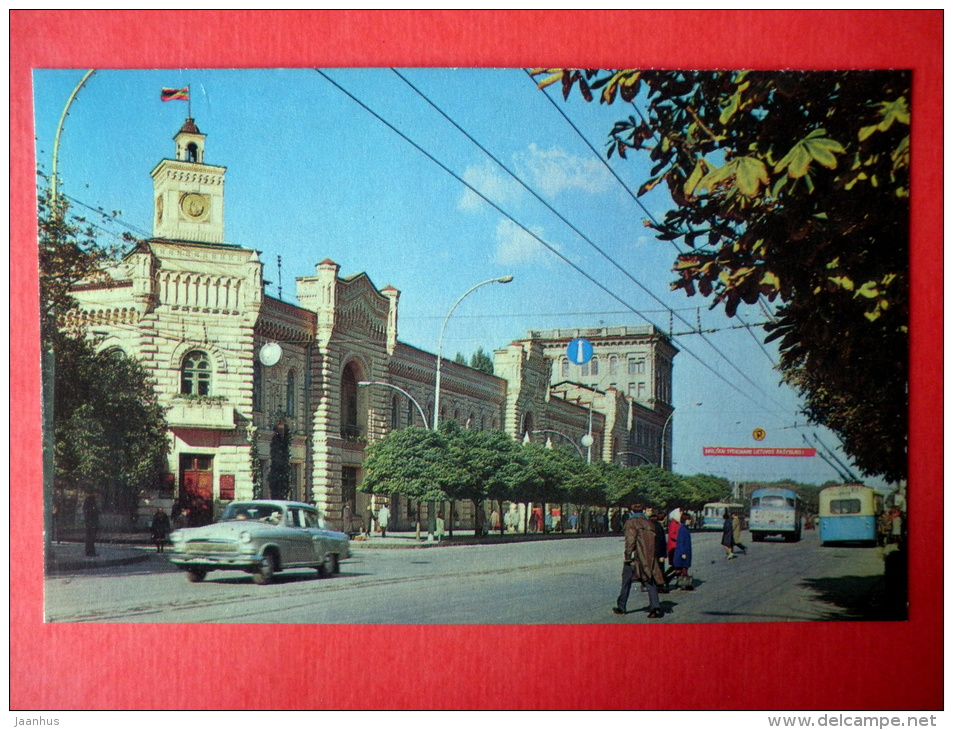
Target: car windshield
pixel 254 511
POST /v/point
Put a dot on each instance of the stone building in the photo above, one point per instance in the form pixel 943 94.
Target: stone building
pixel 235 366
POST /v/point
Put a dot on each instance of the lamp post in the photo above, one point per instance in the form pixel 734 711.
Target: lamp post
pixel 570 440
pixel 436 399
pixel 634 453
pixel 662 444
pixel 413 400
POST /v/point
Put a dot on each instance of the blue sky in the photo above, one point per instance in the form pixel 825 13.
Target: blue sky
pixel 312 175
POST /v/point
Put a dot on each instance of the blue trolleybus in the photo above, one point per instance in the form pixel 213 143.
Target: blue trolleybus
pixel 775 511
pixel 713 514
pixel 849 513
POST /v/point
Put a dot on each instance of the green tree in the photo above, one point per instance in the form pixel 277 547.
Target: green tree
pixel 279 474
pixel 661 488
pixel 109 429
pixel 789 186
pixel 106 426
pixel 707 488
pixel 481 361
pixel 409 462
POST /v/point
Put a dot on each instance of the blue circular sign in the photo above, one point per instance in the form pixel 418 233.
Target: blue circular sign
pixel 579 351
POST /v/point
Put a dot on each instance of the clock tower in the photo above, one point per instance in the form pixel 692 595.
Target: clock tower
pixel 189 195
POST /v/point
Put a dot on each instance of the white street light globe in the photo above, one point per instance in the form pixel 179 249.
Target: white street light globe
pixel 586 441
pixel 269 354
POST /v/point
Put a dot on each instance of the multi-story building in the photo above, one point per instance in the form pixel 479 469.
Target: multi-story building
pixel 632 361
pixel 234 366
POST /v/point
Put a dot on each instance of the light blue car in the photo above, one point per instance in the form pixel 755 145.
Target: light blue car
pixel 261 537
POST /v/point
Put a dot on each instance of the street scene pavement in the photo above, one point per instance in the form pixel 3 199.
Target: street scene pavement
pixel 490 580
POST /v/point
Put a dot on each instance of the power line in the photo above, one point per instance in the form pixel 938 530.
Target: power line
pixel 585 238
pixel 549 247
pixel 106 216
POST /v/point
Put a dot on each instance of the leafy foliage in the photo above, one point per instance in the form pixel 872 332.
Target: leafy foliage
pixel 107 424
pixel 793 187
pixel 408 462
pixel 481 361
pixel 279 475
pixel 459 464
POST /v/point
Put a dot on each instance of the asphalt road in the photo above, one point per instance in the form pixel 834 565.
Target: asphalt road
pixel 573 581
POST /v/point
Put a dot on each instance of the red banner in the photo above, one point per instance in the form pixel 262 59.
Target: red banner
pixel 755 451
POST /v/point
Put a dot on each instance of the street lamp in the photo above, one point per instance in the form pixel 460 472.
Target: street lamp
pixel 634 453
pixel 570 440
pixel 662 444
pixel 413 400
pixel 436 400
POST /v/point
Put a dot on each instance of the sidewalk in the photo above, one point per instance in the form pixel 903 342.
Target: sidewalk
pixel 71 556
pixel 125 548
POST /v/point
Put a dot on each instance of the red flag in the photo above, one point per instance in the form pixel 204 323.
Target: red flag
pixel 175 94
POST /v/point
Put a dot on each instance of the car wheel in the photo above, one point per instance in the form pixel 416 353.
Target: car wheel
pixel 266 571
pixel 335 565
pixel 195 575
pixel 322 570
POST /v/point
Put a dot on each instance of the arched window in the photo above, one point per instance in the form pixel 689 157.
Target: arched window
pixel 564 364
pixel 351 423
pixel 394 413
pixel 613 364
pixel 527 426
pixel 594 366
pixel 196 374
pixel 291 401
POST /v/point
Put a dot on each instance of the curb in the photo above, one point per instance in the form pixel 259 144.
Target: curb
pixel 72 564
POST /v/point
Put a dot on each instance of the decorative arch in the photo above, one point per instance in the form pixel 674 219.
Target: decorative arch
pixel 219 361
pixel 353 401
pixel 528 426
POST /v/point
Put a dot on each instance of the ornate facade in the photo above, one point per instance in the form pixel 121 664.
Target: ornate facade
pixel 235 366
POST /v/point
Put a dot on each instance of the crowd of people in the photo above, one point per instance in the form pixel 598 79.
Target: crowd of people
pixel 658 553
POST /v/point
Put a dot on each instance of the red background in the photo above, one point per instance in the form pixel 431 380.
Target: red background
pixel 810 666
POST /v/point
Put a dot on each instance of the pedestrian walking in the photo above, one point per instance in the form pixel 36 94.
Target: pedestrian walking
pixel 91 522
pixel 181 520
pixel 728 536
pixel 439 527
pixel 736 533
pixel 383 519
pixel 495 520
pixel 674 522
pixel 161 527
pixel 512 519
pixel 656 516
pixel 641 562
pixel 682 555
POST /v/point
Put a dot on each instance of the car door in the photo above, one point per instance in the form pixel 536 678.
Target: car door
pixel 298 538
pixel 319 543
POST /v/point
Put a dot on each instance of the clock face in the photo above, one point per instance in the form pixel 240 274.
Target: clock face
pixel 195 206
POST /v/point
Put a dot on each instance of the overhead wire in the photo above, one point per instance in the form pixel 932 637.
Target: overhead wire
pixel 529 232
pixel 583 236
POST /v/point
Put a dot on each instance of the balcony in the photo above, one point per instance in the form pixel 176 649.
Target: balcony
pixel 201 412
pixel 354 436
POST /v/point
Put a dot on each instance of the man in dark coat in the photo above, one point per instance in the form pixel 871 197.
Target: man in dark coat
pixel 641 561
pixel 91 522
pixel 161 527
